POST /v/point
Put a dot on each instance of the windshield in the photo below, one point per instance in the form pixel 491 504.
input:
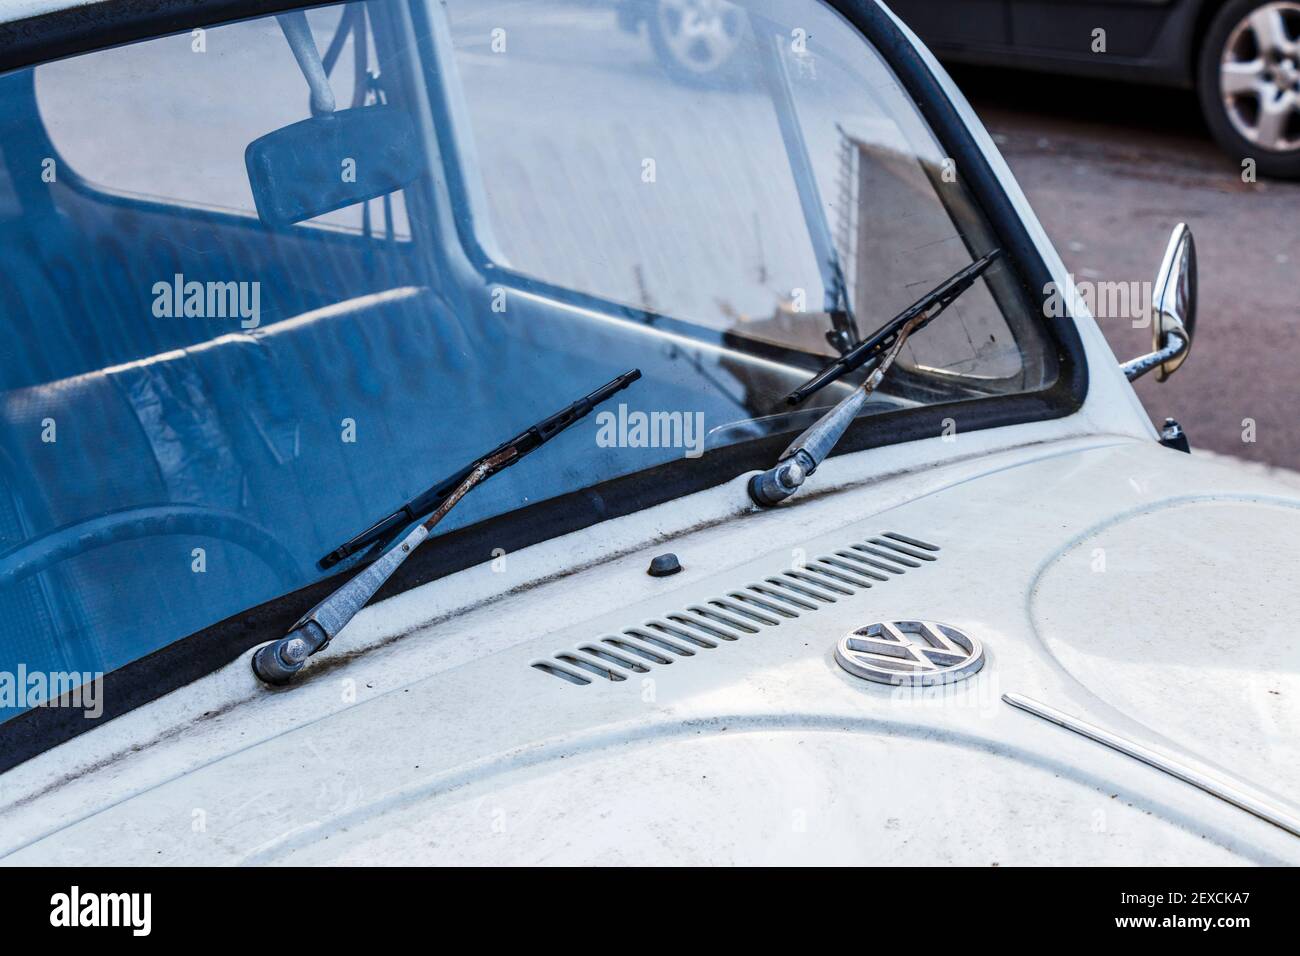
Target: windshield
pixel 247 312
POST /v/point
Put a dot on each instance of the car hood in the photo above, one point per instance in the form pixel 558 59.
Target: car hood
pixel 1143 591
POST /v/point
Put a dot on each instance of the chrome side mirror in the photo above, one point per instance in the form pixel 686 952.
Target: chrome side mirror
pixel 1173 300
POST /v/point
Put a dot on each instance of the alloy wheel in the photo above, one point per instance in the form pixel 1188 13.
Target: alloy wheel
pixel 1259 76
pixel 701 35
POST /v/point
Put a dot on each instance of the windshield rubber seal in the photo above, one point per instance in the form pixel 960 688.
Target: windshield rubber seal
pixel 114 22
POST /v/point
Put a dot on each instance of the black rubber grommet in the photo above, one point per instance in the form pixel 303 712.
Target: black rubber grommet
pixel 664 565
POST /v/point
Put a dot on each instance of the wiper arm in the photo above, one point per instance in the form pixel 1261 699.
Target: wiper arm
pixel 927 307
pixel 277 662
pixel 810 449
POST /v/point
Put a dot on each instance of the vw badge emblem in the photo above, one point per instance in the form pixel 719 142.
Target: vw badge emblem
pixel 910 653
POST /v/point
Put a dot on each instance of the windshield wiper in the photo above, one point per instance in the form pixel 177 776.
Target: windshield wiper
pixel 532 438
pixel 810 449
pixel 277 662
pixel 927 307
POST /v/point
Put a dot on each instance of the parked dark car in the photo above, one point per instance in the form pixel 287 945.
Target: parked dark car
pixel 1242 56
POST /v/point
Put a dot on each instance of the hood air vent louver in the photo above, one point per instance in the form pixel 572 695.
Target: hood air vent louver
pixel 739 614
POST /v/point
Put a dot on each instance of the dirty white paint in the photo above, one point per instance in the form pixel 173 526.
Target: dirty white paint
pixel 455 749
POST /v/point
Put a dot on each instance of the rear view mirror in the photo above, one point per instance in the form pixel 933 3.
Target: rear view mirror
pixel 1175 300
pixel 1174 305
pixel 331 161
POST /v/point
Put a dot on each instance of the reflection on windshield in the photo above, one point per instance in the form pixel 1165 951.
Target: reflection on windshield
pixel 224 361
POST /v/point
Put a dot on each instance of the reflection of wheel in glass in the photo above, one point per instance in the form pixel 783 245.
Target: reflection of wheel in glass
pixel 1250 82
pixel 696 40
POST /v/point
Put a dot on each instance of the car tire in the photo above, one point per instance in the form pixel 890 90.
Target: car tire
pixel 696 41
pixel 1248 79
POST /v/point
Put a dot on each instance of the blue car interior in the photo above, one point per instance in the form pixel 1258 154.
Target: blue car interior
pixel 169 438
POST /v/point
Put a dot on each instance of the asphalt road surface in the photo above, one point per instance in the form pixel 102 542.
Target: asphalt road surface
pixel 1110 169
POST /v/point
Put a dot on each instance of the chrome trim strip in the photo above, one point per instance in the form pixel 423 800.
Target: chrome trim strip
pixel 1159 761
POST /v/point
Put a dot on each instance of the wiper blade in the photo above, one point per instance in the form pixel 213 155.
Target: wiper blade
pixel 277 662
pixel 929 306
pixel 529 440
pixel 810 449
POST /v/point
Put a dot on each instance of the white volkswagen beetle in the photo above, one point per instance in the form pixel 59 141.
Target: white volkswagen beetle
pixel 817 521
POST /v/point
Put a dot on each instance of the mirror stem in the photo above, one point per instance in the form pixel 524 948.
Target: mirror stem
pixel 1136 368
pixel 298 33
